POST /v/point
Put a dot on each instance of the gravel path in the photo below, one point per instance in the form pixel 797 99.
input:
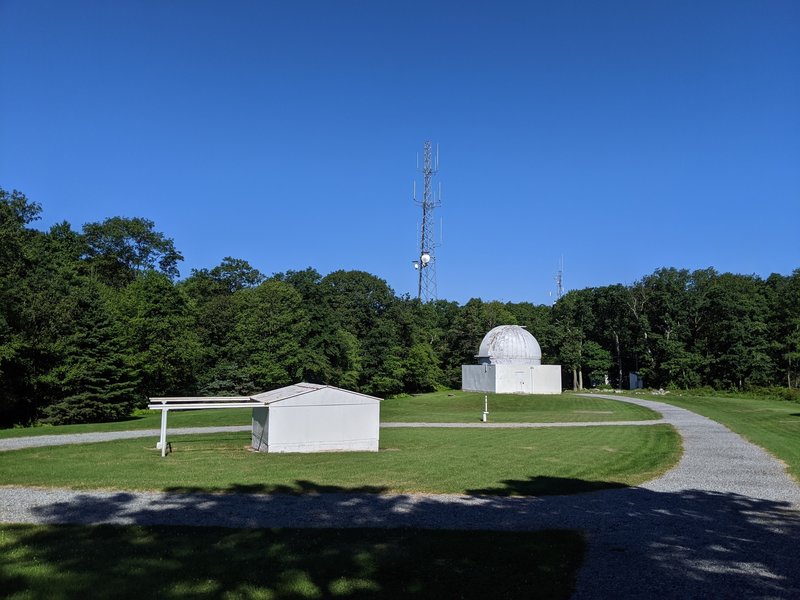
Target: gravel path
pixel 724 523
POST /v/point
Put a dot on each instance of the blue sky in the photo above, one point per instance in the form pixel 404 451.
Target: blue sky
pixel 622 135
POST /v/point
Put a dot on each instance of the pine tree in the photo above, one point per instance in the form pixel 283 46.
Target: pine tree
pixel 94 382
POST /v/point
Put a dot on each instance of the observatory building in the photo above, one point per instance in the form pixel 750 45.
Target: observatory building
pixel 510 362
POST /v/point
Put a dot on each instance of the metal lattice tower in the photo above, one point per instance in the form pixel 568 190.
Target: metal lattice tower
pixel 560 279
pixel 426 261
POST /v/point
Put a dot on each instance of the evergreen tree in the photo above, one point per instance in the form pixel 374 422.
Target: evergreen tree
pixel 94 382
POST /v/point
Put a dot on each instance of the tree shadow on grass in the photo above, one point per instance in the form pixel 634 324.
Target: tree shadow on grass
pixel 176 548
pixel 642 543
pixel 178 562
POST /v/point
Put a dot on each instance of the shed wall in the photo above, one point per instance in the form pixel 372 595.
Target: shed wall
pixel 317 427
pixel 260 428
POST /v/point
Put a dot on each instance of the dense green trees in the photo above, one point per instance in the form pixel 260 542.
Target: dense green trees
pixel 92 322
pixel 157 329
pixel 17 358
pixel 119 247
pixel 784 325
pixel 93 380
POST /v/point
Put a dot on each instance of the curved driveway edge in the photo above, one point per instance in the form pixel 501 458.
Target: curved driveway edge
pixel 724 523
pixel 718 460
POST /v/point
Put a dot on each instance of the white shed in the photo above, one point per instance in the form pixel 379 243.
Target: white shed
pixel 308 417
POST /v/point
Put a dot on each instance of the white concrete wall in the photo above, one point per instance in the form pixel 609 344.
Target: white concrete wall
pixel 512 379
pixel 547 379
pixel 478 378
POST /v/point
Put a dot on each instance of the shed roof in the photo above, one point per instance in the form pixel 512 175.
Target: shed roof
pixel 262 399
pixel 299 389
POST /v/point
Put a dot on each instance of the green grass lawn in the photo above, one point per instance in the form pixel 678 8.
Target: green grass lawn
pixel 771 424
pixel 440 407
pixel 464 461
pixel 465 407
pixel 62 562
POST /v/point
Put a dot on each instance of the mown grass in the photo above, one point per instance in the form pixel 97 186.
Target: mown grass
pixel 465 407
pixel 772 424
pixel 463 461
pixel 440 407
pixel 175 562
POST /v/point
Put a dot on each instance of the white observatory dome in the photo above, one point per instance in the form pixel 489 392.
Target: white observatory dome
pixel 509 345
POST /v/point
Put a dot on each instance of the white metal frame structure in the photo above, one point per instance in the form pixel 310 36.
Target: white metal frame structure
pixel 167 404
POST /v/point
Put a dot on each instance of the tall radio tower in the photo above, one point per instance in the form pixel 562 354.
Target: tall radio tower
pixel 560 279
pixel 426 261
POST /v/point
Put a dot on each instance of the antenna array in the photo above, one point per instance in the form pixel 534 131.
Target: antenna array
pixel 426 262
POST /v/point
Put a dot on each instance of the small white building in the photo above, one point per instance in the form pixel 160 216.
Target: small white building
pixel 307 417
pixel 510 362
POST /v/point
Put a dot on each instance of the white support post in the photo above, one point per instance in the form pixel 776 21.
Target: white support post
pixel 163 442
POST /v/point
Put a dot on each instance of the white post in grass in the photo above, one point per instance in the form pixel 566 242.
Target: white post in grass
pixel 163 443
pixel 485 409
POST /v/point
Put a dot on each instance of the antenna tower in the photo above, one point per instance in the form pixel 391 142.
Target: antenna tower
pixel 560 279
pixel 426 261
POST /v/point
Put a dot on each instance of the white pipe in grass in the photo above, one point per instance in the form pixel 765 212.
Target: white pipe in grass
pixel 163 442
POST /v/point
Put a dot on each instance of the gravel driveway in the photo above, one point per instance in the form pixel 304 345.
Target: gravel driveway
pixel 724 523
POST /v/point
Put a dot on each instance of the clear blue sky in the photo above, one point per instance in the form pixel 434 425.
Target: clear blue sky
pixel 623 135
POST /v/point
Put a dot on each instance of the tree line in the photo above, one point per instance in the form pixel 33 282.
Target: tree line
pixel 93 322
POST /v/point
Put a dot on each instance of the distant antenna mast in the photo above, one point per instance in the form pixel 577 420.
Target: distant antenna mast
pixel 560 279
pixel 426 263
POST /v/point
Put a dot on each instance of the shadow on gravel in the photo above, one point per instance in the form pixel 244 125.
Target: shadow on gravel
pixel 641 543
pixel 546 486
pixel 688 545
